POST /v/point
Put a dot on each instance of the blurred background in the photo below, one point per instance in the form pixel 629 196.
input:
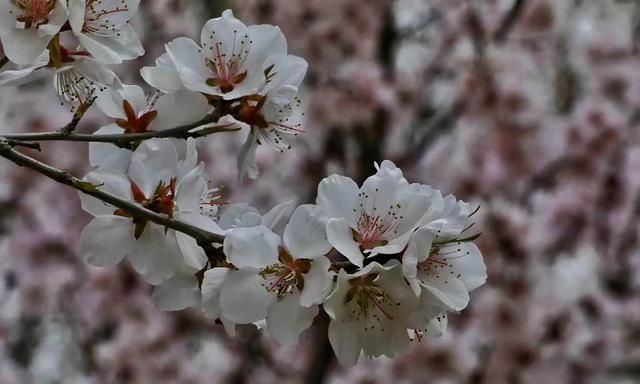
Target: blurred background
pixel 529 108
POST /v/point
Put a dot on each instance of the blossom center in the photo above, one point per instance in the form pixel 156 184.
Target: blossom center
pixel 284 277
pixel 368 301
pixel 33 13
pixel 374 229
pixel 228 68
pixel 161 201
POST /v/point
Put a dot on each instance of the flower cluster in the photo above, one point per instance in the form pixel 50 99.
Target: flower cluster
pixel 386 261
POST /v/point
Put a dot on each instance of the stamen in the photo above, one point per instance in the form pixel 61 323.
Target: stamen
pixel 97 21
pixel 32 13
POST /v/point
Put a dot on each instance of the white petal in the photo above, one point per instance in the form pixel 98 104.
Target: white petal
pixel 110 102
pixel 448 289
pixel 7 18
pixel 190 190
pixel 289 73
pixel 100 52
pixel 18 76
pixel 464 261
pixel 109 181
pixel 76 10
pixel 340 236
pixel 211 288
pixel 278 216
pixel 234 212
pixel 190 63
pixel 153 161
pixel 268 40
pixel 344 339
pixel 106 240
pixel 255 247
pixel 192 254
pixel 163 76
pixel 247 166
pixel 105 155
pixel 417 251
pixel 124 45
pixel 338 197
pixel 180 108
pixel 226 30
pixel 286 319
pixel 317 283
pixel 305 237
pixel 179 292
pixel 24 46
pixel 383 189
pixel 155 254
pixel 243 299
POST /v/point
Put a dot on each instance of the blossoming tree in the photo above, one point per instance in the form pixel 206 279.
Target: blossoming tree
pixel 386 261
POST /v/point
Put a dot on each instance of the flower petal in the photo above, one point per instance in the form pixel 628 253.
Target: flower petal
pixel 305 237
pixel 24 46
pixel 247 166
pixel 338 197
pixel 243 299
pixel 278 216
pixel 106 155
pixel 106 240
pixel 255 247
pixel 109 181
pixel 317 282
pixel 153 161
pixel 340 236
pixel 286 319
pixel 163 76
pixel 345 340
pixel 180 108
pixel 211 288
pixel 179 292
pixel 155 254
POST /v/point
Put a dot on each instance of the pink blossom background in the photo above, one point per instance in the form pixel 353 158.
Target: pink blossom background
pixel 530 109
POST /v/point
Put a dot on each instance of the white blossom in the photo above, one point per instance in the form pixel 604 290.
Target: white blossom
pixel 377 218
pixel 153 181
pixel 370 312
pixel 282 281
pixel 28 26
pixel 232 58
pixel 102 28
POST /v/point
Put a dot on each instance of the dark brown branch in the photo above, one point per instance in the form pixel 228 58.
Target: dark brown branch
pixel 204 238
pixel 509 21
pixel 123 140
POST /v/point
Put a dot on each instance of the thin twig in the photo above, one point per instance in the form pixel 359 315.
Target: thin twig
pixel 204 238
pixel 25 144
pixel 77 116
pixel 122 140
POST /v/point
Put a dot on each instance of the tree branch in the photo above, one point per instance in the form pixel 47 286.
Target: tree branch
pixel 509 21
pixel 204 238
pixel 122 140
